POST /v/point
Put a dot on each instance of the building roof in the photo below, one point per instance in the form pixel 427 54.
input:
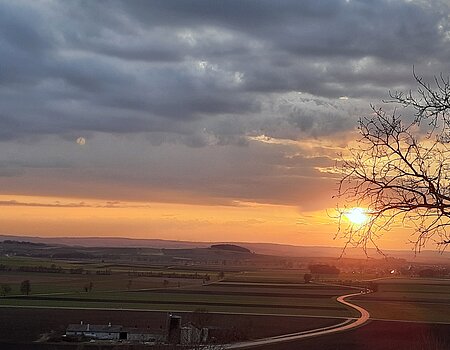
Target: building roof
pixel 98 328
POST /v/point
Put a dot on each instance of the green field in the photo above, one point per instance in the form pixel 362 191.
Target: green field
pixel 409 299
pixel 268 276
pixel 48 283
pixel 303 301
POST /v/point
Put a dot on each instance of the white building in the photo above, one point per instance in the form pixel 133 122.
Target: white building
pixel 96 331
pixel 116 332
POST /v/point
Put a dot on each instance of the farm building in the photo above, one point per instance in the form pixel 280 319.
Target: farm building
pixel 191 334
pixel 105 332
pixel 174 332
pixel 116 332
pixel 145 335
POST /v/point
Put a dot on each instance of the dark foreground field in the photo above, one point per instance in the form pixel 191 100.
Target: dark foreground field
pixel 378 335
pixel 20 327
pixel 23 326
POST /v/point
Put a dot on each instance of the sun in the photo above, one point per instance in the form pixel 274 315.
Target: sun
pixel 357 216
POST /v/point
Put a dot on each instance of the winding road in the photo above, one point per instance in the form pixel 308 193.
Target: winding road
pixel 340 327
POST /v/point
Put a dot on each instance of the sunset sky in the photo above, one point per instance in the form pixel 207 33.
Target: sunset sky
pixel 196 120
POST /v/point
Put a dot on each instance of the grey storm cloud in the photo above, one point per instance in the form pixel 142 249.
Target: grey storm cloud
pixel 142 66
pixel 200 76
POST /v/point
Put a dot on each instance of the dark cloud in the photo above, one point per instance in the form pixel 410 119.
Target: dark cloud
pixel 199 59
pixel 385 29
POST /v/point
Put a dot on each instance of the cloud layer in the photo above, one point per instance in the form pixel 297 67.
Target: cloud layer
pixel 199 101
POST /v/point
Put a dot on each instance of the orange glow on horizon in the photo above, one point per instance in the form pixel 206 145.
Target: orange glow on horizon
pixel 243 222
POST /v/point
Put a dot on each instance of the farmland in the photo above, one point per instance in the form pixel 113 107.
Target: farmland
pixel 242 293
pixel 246 284
pixel 425 300
pixel 220 281
pixel 412 300
pixel 181 294
pixel 262 295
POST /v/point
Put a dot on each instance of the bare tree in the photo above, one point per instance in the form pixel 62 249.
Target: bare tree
pixel 307 277
pixel 5 289
pixel 400 168
pixel 25 287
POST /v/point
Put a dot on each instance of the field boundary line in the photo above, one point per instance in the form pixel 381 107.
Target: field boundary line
pixel 408 321
pixel 171 310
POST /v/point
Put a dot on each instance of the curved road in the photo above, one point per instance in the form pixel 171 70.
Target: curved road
pixel 340 327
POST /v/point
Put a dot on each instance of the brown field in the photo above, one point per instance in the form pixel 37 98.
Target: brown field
pixel 24 325
pixel 378 335
pixel 19 327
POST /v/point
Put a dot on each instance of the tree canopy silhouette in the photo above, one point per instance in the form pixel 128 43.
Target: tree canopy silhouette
pixel 399 168
pixel 25 287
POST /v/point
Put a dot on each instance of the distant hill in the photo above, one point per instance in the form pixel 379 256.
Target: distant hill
pixel 13 242
pixel 426 256
pixel 231 247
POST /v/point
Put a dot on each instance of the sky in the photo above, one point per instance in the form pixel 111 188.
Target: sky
pixel 197 120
